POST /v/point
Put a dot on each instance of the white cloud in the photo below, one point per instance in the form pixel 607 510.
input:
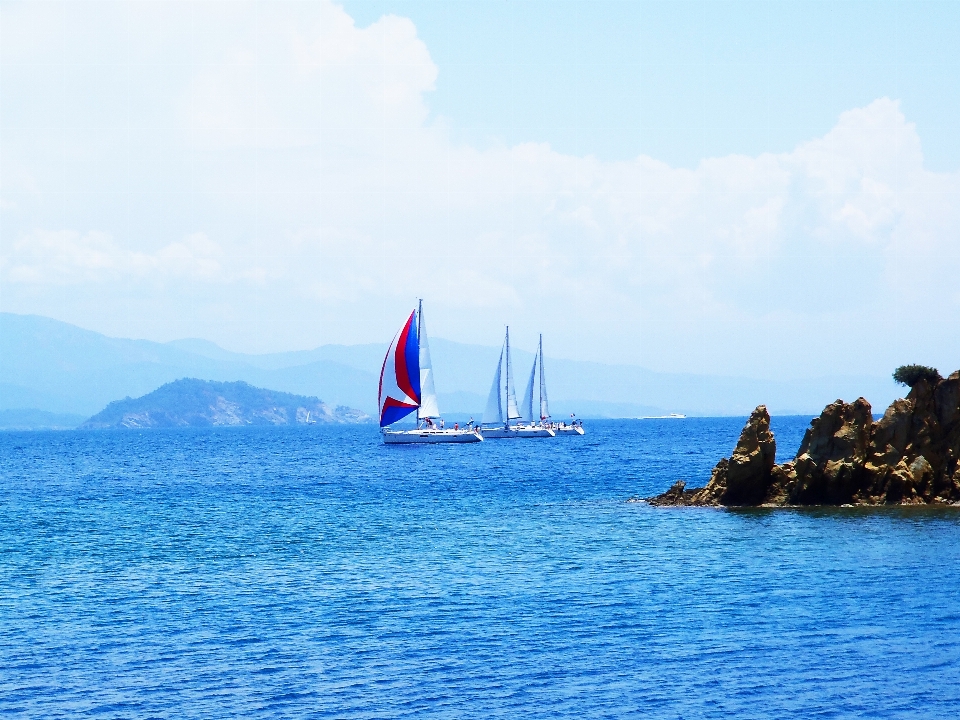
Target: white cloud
pixel 66 257
pixel 304 144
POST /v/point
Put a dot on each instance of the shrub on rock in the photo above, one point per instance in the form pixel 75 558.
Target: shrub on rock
pixel 910 375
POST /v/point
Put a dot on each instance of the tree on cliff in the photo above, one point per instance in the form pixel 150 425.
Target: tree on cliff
pixel 910 375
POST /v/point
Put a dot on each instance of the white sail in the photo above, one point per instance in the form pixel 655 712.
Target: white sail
pixel 526 407
pixel 428 395
pixel 493 414
pixel 510 392
pixel 544 408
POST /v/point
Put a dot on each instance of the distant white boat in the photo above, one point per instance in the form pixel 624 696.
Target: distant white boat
pixel 574 427
pixel 406 386
pixel 671 416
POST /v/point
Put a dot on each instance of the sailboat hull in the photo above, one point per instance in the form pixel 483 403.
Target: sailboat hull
pixel 497 433
pixel 568 430
pixel 516 431
pixel 417 437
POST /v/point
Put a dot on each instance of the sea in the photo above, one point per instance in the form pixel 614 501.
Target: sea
pixel 312 572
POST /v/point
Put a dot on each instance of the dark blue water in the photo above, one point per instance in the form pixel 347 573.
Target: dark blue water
pixel 313 572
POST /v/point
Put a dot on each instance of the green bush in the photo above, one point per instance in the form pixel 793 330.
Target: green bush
pixel 912 374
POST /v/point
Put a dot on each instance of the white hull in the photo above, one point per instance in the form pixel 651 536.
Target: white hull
pixel 568 429
pixel 407 437
pixel 517 431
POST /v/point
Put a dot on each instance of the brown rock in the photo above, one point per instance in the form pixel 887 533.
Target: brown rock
pixel 915 446
pixel 829 465
pixel 946 398
pixel 741 480
pixel 910 456
pixel 744 479
pixel 673 496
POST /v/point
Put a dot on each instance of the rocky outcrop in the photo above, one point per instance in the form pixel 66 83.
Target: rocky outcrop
pixel 910 456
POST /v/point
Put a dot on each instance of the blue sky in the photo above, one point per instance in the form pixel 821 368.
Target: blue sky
pixel 681 81
pixel 757 189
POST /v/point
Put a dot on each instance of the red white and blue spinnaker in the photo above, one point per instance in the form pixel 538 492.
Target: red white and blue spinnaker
pixel 406 386
pixel 400 375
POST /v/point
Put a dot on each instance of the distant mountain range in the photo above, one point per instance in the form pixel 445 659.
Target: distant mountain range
pixel 52 366
pixel 204 403
pixel 31 419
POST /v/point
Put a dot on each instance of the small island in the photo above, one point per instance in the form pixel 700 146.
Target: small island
pixel 911 456
pixel 202 403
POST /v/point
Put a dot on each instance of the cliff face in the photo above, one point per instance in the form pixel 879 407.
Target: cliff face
pixel 910 456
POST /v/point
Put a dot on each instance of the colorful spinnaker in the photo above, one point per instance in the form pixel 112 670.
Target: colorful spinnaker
pixel 400 375
pixel 406 385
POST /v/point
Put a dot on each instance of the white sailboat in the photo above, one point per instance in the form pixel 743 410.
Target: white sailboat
pixel 575 427
pixel 406 385
pixel 512 423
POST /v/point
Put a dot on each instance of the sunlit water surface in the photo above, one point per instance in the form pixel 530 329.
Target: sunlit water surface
pixel 313 572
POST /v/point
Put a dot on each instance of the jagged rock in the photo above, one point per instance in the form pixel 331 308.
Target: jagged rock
pixel 946 400
pixel 915 446
pixel 828 468
pixel 745 477
pixel 741 480
pixel 673 496
pixel 910 456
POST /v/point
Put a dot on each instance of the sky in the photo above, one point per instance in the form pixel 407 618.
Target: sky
pixel 764 189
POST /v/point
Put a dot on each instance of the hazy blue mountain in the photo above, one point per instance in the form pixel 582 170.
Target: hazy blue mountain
pixel 38 420
pixel 57 367
pixel 202 403
pixel 203 348
pixel 363 357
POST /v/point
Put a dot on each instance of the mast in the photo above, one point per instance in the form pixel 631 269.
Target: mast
pixel 544 407
pixel 511 396
pixel 506 387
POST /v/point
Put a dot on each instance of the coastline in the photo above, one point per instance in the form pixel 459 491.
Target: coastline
pixel 910 456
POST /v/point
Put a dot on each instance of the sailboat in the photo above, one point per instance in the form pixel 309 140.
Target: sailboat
pixel 513 423
pixel 574 427
pixel 406 386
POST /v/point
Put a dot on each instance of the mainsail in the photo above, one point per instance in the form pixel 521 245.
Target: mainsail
pixel 493 413
pixel 400 375
pixel 428 395
pixel 510 393
pixel 544 408
pixel 526 407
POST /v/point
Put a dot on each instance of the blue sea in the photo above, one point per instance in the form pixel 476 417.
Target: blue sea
pixel 313 572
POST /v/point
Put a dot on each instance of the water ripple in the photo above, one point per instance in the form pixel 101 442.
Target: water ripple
pixel 313 572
